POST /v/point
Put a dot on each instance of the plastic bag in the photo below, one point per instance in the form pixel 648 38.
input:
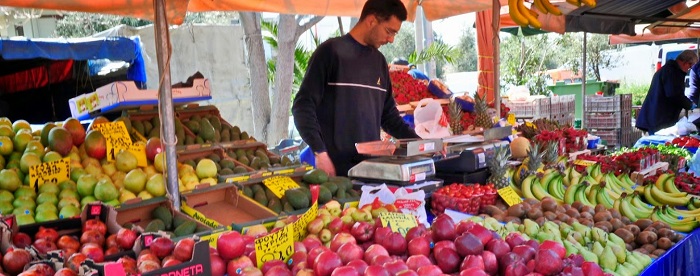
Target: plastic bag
pixel 694 165
pixel 429 120
pixel 407 202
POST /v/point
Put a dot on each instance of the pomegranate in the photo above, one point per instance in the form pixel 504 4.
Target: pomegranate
pixel 21 240
pixel 111 241
pixel 93 251
pixel 129 265
pixel 75 260
pixel 126 238
pixel 14 260
pixel 162 247
pixel 44 233
pixel 44 246
pixel 65 272
pixel 92 236
pixel 95 224
pixel 183 249
pixel 66 242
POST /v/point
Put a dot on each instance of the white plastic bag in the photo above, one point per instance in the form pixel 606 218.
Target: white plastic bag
pixel 381 192
pixel 409 203
pixel 429 120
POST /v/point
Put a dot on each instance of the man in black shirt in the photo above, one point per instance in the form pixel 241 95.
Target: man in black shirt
pixel 346 97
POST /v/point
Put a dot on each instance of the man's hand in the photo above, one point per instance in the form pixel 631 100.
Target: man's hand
pixel 324 163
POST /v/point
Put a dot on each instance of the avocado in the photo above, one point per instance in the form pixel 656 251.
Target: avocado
pixel 214 157
pixel 297 198
pixel 179 220
pixel 315 176
pixel 275 205
pixel 206 130
pixel 245 136
pixel 215 122
pixel 155 226
pixel 239 169
pixel 162 213
pixel 247 191
pixel 185 229
pixel 193 126
pixel 324 195
pixel 260 197
pixel 333 187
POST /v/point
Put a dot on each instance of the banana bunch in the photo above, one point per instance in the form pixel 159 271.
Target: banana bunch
pixel 547 184
pixel 678 220
pixel 523 16
pixel 578 3
pixel 665 192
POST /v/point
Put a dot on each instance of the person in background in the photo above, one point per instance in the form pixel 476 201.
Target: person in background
pixel 346 97
pixel 666 97
pixel 694 84
pixel 417 74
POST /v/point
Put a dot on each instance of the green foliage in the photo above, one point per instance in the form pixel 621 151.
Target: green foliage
pixel 404 46
pixel 301 55
pixel 467 59
pixel 404 43
pixel 436 50
pixel 638 91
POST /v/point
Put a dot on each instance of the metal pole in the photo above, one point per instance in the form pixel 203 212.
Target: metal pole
pixel 419 35
pixel 430 68
pixel 583 79
pixel 496 24
pixel 165 100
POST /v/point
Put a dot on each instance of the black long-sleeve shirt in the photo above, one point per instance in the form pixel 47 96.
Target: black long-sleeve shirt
pixel 665 100
pixel 346 98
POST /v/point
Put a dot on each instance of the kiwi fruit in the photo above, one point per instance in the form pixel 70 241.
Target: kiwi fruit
pixel 499 217
pixel 643 223
pixel 599 208
pixel 531 201
pixel 587 209
pixel 571 221
pixel 534 213
pixel 550 215
pixel 660 225
pixel 577 205
pixel 625 220
pixel 586 222
pixel 616 224
pixel 629 247
pixel 666 233
pixel 490 210
pixel 634 229
pixel 586 215
pixel 664 243
pixel 649 247
pixel 625 235
pixel 516 210
pixel 641 250
pixel 602 216
pixel 677 237
pixel 548 204
pixel 563 217
pixel 651 229
pixel 512 219
pixel 605 225
pixel 658 252
pixel 561 209
pixel 615 214
pixel 646 237
pixel 573 213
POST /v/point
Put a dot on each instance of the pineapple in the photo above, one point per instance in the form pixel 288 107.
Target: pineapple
pixel 481 109
pixel 455 111
pixel 551 155
pixel 498 167
pixel 531 164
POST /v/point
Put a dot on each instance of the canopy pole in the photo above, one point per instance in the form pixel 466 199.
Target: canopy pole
pixel 496 24
pixel 420 35
pixel 583 79
pixel 165 102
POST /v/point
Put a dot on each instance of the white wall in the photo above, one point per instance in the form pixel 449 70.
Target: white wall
pixel 636 65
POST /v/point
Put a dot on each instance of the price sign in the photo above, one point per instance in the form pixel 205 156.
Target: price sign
pixel 138 149
pixel 509 196
pixel 398 222
pixel 236 179
pixel 585 163
pixel 117 137
pixel 279 184
pixel 81 105
pixel 299 226
pixel 511 119
pixel 275 246
pixel 54 172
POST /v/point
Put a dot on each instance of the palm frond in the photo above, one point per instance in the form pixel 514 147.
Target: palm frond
pixel 273 29
pixel 271 70
pixel 436 51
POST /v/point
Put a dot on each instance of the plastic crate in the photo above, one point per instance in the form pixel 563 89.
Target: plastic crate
pixel 622 102
pixel 612 137
pixel 608 120
pixel 537 108
pixel 555 106
pixel 568 104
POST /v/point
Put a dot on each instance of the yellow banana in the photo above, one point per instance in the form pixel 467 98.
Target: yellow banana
pixel 570 194
pixel 604 198
pixel 638 203
pixel 668 199
pixel 612 185
pixel 661 180
pixel 532 21
pixel 547 178
pixel 581 195
pixel 590 3
pixel 551 8
pixel 670 186
pixel 515 14
pixel 648 197
pixel 684 225
pixel 540 193
pixel 538 4
pixel 682 214
pixel 526 186
pixel 638 212
pixel 556 188
pixel 574 2
pixel 592 194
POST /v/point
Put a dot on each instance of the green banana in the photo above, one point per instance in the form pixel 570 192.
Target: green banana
pixel 556 188
pixel 592 194
pixel 604 198
pixel 626 210
pixel 570 193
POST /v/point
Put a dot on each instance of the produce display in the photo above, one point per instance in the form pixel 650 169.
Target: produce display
pixel 685 142
pixel 406 89
pixel 463 198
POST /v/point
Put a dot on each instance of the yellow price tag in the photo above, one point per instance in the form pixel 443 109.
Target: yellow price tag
pixel 238 179
pixel 81 105
pixel 275 246
pixel 281 172
pixel 351 204
pixel 266 174
pixel 138 149
pixel 117 137
pixel 509 196
pixel 585 163
pixel 511 119
pixel 213 237
pixel 528 124
pixel 54 172
pixel 301 223
pixel 198 216
pixel 398 222
pixel 279 184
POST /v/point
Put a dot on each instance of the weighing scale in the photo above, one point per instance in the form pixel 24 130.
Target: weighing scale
pixel 398 162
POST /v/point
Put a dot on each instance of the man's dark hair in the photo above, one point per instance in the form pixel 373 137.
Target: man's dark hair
pixel 384 9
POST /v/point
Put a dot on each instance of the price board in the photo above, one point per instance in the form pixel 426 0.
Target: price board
pixel 509 196
pixel 299 226
pixel 398 222
pixel 54 172
pixel 117 137
pixel 275 246
pixel 585 163
pixel 138 149
pixel 279 184
pixel 511 119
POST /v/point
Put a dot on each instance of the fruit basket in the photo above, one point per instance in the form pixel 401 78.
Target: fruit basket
pixel 462 198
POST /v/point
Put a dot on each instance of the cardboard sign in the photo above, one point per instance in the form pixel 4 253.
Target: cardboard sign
pixel 54 172
pixel 235 179
pixel 511 119
pixel 199 216
pixel 509 196
pixel 138 149
pixel 117 137
pixel 398 222
pixel 275 246
pixel 279 184
pixel 585 163
pixel 299 226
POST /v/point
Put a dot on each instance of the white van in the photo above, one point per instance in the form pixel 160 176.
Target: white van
pixel 671 51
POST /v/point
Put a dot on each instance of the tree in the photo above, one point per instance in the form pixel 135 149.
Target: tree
pixel 404 43
pixel 601 55
pixel 404 46
pixel 466 47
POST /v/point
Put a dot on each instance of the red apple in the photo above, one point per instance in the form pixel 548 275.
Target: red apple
pixel 430 270
pixel 407 272
pixel 362 231
pixel 326 262
pixel 381 233
pixel 468 244
pixel 525 252
pixel 444 244
pixel 548 262
pixel 250 271
pixel 340 239
pixel 463 226
pixel 311 258
pixel 447 259
pixel 472 261
pixel 311 242
pixel 153 147
pixel 485 235
pixel 490 262
pixel 517 268
pixel 569 270
pixel 508 259
pixel 272 263
pixel 315 226
pixel 345 271
pixel 297 257
pixel 376 270
pixel 443 228
pixel 336 225
pixel 359 265
pixel 183 250
pixel 417 261
pixel 299 267
pixel 591 269
pixel 415 232
pixel 279 271
pixel 498 247
pixel 381 260
pixel 218 266
pixel 299 247
pixel 514 239
pixel 230 245
pixel 554 246
pixel 395 266
pixel 237 265
pixel 350 251
pixel 162 247
pixel 21 240
pixel 419 246
pixel 374 251
pixel 395 243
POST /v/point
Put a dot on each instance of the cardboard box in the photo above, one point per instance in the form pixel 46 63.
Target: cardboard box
pixel 199 265
pixel 205 152
pixel 139 213
pixel 223 205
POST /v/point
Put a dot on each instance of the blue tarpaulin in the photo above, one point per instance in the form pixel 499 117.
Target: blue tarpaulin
pixel 112 48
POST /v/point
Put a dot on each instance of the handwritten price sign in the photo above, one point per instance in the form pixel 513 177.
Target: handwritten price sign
pixel 276 246
pixel 138 149
pixel 509 196
pixel 279 184
pixel 54 172
pixel 585 163
pixel 398 222
pixel 117 137
pixel 299 226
